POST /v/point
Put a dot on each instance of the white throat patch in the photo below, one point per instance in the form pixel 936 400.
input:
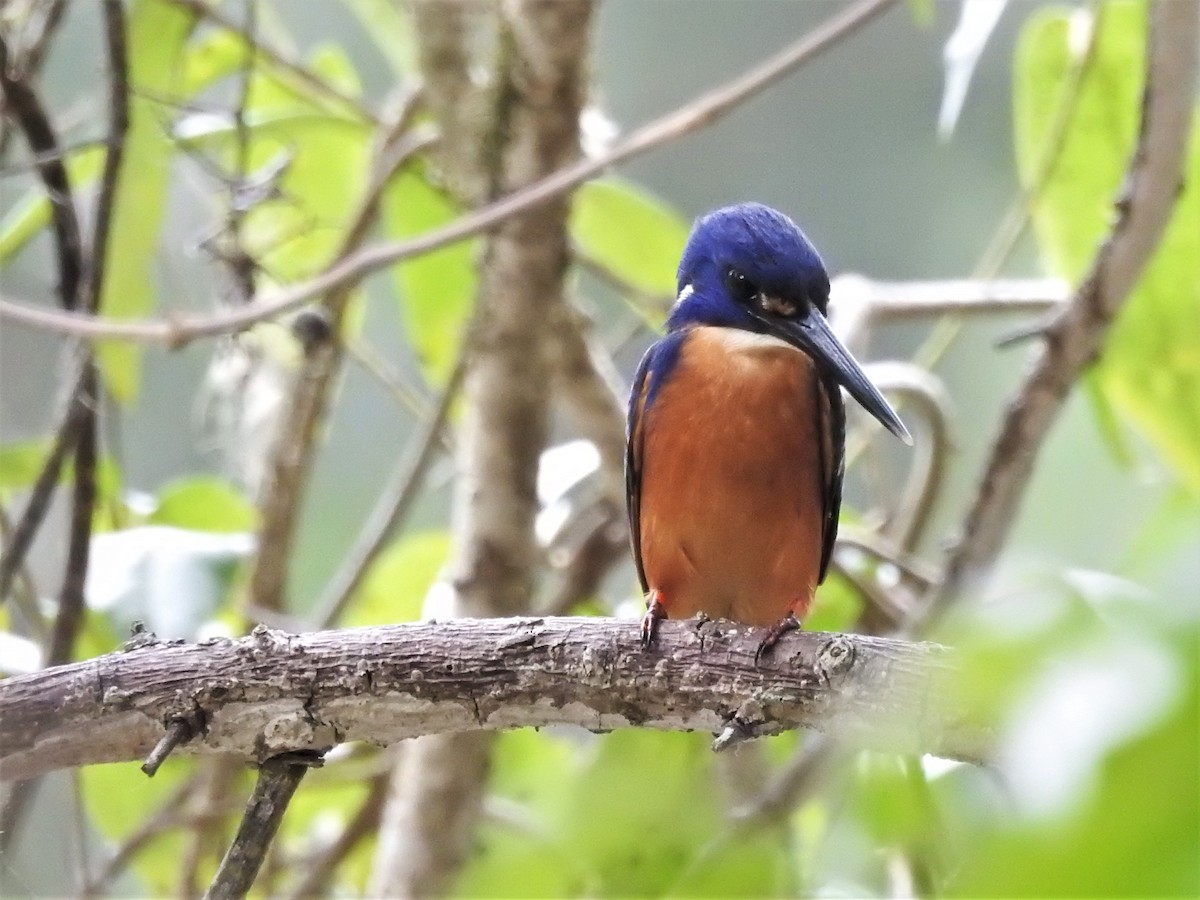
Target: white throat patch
pixel 736 341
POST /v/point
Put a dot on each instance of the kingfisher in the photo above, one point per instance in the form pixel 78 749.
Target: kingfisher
pixel 735 449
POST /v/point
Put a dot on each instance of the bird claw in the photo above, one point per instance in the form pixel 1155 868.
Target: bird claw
pixel 655 613
pixel 774 633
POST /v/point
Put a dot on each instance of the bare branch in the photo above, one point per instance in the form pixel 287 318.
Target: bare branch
pixel 69 619
pixel 23 104
pixel 531 129
pixel 272 693
pixel 293 450
pixel 278 779
pixel 891 300
pixel 699 113
pixel 1074 340
pixel 179 731
pixel 17 544
pixel 923 392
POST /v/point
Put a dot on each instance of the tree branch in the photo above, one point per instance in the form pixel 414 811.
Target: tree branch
pixel 1075 339
pixel 531 129
pixel 69 619
pixel 25 529
pixel 693 116
pixel 277 781
pixel 271 693
pixel 22 103
pixel 293 450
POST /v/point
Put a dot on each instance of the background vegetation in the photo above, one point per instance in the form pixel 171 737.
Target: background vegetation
pixel 257 135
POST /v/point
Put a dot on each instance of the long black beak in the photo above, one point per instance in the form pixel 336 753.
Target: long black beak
pixel 812 334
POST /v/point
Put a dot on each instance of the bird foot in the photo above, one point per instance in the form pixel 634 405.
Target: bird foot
pixel 655 613
pixel 774 633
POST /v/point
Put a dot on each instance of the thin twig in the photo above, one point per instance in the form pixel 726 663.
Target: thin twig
pixel 881 550
pixel 242 267
pixel 28 59
pixel 1074 340
pixel 814 765
pixel 1018 216
pixel 24 592
pixel 605 545
pixel 69 619
pixel 897 300
pixel 924 393
pixel 293 451
pixel 23 105
pixel 281 61
pixel 371 360
pixel 19 540
pixel 693 116
pixel 277 782
pixel 35 160
pixel 180 731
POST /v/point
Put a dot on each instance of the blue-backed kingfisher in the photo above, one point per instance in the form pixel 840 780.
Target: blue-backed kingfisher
pixel 736 441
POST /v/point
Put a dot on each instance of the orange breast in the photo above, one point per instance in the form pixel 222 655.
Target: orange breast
pixel 732 486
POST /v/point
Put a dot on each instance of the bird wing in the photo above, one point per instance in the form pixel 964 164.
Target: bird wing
pixel 832 411
pixel 633 457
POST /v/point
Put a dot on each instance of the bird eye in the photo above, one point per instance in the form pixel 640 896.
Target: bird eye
pixel 739 286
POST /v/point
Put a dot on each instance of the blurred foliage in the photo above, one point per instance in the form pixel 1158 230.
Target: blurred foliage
pixel 639 252
pixel 1090 680
pixel 1151 365
pixel 436 289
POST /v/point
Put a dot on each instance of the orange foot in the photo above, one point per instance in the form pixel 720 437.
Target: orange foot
pixel 655 613
pixel 774 633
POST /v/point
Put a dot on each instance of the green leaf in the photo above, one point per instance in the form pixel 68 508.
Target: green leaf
pixel 642 813
pixel 118 798
pixel 1134 836
pixel 212 56
pixel 1074 208
pixel 20 463
pixel 436 289
pixel 837 606
pixel 923 12
pixel 630 233
pixel 322 807
pixel 523 855
pixel 204 504
pixel 324 159
pixel 890 799
pixel 395 587
pixel 1150 368
pixel 31 212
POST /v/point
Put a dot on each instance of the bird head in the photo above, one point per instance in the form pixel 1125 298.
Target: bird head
pixel 750 267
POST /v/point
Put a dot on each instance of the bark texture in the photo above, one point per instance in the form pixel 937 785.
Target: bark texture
pixel 272 692
pixel 529 129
